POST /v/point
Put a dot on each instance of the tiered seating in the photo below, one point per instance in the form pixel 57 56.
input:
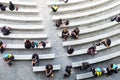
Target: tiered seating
pixel 95 38
pixel 20 3
pixel 86 13
pixel 29 57
pixel 21 27
pixel 13 18
pixel 88 5
pixel 42 68
pixel 21 46
pixel 97 60
pixel 70 2
pixel 98 48
pixel 75 12
pixel 20 36
pixel 89 74
pixel 96 28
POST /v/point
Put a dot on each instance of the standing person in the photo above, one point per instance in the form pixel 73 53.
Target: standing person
pixel 67 71
pixel 11 6
pixel 49 70
pixel 28 44
pixel 112 68
pixel 70 50
pixel 1 47
pixel 54 8
pixel 6 30
pixel 35 59
pixel 65 33
pixel 8 58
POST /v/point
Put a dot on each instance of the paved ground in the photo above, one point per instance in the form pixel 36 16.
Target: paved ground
pixel 22 70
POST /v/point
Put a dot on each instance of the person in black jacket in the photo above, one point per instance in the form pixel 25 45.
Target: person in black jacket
pixel 11 6
pixel 67 71
pixel 6 30
pixel 28 44
pixel 70 50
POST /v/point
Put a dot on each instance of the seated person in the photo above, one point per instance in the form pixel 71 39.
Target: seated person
pixel 106 42
pixel 8 58
pixel 67 71
pixel 92 50
pixel 75 33
pixel 28 44
pixel 58 23
pixel 1 47
pixel 65 1
pixel 64 23
pixel 6 30
pixel 85 65
pixel 112 68
pixel 2 7
pixel 34 44
pixel 65 33
pixel 11 6
pixel 35 59
pixel 54 8
pixel 117 18
pixel 70 50
pixel 97 72
pixel 49 70
pixel 42 43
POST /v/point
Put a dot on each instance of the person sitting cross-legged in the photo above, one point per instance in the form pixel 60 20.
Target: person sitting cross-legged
pixel 75 33
pixel 65 33
pixel 49 70
pixel 35 59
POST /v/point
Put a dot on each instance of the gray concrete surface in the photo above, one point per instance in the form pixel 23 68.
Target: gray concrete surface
pixel 22 70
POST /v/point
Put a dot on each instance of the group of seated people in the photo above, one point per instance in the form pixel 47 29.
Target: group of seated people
pixel 112 68
pixel 33 44
pixel 6 30
pixel 92 50
pixel 74 34
pixel 61 23
pixel 11 7
pixel 97 72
